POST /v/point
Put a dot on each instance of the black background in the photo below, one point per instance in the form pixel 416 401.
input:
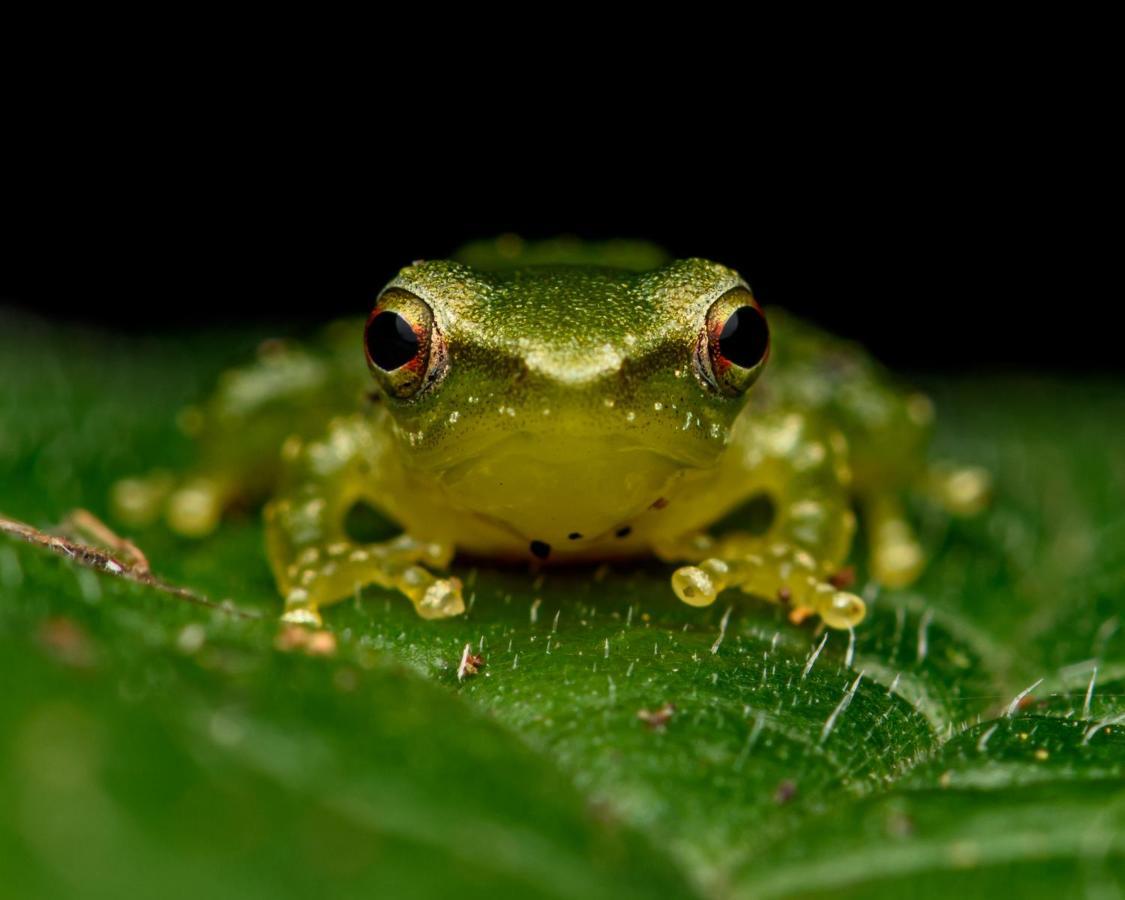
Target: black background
pixel 942 191
pixel 934 265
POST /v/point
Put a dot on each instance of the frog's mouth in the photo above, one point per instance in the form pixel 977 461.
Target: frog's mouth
pixel 568 495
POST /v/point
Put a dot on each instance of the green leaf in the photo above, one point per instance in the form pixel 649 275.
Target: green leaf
pixel 187 751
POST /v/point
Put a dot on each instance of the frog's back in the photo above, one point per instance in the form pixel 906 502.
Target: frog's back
pixel 509 251
pixel 887 425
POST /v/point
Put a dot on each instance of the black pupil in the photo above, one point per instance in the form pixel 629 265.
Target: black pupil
pixel 391 342
pixel 745 337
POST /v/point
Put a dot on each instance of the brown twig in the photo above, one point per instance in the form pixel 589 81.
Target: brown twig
pixel 135 569
pixel 84 522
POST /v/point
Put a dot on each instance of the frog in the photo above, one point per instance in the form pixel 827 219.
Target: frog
pixel 557 403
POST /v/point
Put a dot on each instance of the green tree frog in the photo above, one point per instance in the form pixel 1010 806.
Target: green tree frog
pixel 560 402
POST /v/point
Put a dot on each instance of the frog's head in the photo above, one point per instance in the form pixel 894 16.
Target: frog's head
pixel 562 401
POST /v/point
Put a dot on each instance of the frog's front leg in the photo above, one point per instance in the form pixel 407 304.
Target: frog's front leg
pixel 313 558
pixel 287 389
pixel 896 555
pixel 800 469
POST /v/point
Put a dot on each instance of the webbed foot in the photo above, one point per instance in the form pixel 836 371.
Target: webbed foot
pixel 777 572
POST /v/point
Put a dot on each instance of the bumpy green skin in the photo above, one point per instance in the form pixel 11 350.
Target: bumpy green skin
pixel 564 416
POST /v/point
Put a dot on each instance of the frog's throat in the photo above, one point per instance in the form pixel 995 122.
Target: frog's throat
pixel 551 449
pixel 551 491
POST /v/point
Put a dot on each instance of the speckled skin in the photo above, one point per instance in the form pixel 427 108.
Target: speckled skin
pixel 564 415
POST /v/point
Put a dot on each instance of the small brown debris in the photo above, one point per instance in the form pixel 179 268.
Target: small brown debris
pixel 313 643
pixel 291 637
pixel 602 811
pixel 843 579
pixel 657 719
pixel 321 643
pixel 273 347
pixel 798 614
pixel 785 792
pixel 67 642
pixel 471 663
pixel 133 568
pixel 784 595
pixel 84 523
pixel 660 503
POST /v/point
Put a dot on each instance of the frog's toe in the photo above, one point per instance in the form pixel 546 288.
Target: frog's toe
pixel 960 490
pixel 139 501
pixel 694 586
pixel 297 612
pixel 778 572
pixel 195 508
pixel 842 610
pixel 897 562
pixel 441 599
pixel 895 553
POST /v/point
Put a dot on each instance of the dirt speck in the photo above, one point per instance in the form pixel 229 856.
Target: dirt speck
pixel 471 663
pixel 67 642
pixel 657 719
pixel 294 638
pixel 785 792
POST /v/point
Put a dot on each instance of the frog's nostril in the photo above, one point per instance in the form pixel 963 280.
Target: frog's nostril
pixel 575 536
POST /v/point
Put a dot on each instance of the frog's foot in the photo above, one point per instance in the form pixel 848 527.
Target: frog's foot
pixel 139 501
pixel 775 571
pixel 192 507
pixel 896 556
pixel 316 575
pixel 298 614
pixel 196 506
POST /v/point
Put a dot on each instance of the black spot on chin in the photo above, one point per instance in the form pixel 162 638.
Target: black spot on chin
pixel 540 549
pixel 624 531
pixel 575 536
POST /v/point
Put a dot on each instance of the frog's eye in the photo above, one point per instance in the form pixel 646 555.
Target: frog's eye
pixel 735 343
pixel 402 343
pixel 391 341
